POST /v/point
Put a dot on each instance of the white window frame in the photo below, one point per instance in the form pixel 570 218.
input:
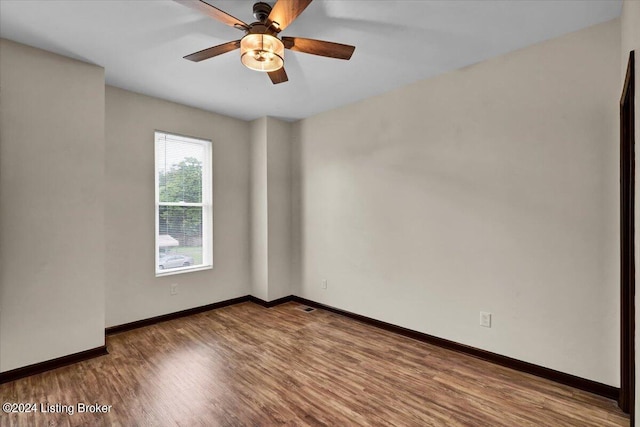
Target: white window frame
pixel 207 205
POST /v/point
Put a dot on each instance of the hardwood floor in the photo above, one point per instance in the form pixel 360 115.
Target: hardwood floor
pixel 246 365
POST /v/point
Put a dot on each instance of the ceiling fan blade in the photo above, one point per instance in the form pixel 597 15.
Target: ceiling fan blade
pixel 319 47
pixel 213 51
pixel 284 12
pixel 278 76
pixel 213 12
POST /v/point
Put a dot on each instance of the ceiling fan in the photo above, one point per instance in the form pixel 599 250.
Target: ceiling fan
pixel 260 48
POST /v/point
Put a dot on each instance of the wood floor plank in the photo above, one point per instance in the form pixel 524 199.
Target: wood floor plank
pixel 246 365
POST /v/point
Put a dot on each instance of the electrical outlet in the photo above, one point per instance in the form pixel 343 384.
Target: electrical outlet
pixel 485 319
pixel 324 283
pixel 174 289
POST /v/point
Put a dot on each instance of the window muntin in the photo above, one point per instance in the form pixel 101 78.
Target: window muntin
pixel 183 213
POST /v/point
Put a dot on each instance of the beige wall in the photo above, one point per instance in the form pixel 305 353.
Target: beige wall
pixel 133 292
pixel 270 208
pixel 491 188
pixel 259 211
pixel 279 179
pixel 630 20
pixel 52 203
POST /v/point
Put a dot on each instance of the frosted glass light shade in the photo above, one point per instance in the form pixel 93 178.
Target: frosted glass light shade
pixel 262 52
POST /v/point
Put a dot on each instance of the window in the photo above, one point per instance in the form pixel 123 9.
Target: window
pixel 183 215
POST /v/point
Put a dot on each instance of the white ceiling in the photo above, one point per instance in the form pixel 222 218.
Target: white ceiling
pixel 140 43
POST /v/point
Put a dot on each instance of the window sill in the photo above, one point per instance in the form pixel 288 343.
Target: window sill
pixel 181 270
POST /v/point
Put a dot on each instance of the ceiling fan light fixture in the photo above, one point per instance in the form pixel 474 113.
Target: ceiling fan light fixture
pixel 262 52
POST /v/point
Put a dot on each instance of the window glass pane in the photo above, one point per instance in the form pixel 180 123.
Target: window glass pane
pixel 180 236
pixel 180 163
pixel 183 203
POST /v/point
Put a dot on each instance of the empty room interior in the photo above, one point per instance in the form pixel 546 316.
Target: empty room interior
pixel 426 220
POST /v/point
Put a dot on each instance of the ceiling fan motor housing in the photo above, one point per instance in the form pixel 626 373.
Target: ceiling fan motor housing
pixel 261 11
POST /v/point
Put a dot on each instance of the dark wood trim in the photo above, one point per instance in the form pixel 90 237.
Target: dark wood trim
pixel 626 399
pixel 557 376
pixel 540 371
pixel 188 312
pixel 48 365
pixel 175 315
pixel 629 80
pixel 269 304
